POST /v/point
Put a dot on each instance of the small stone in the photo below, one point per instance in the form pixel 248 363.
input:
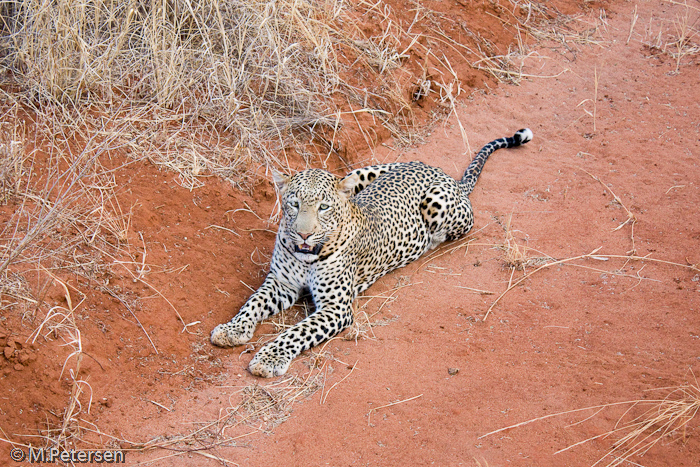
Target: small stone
pixel 453 371
pixel 18 367
pixel 23 357
pixel 9 351
pixel 106 401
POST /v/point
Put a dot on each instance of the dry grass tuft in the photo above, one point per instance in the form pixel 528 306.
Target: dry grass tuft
pixel 665 418
pixel 544 23
pixel 198 85
pixel 679 38
pixel 12 158
pixel 60 322
pixel 363 324
pixel 516 256
pixel 65 212
pixel 268 406
pixel 361 327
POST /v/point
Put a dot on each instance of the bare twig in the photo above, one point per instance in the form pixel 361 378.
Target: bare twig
pixel 375 409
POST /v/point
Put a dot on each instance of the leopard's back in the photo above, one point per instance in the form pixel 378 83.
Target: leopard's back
pixel 394 230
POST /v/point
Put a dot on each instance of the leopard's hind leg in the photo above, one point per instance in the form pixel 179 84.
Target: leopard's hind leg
pixel 446 211
pixel 446 208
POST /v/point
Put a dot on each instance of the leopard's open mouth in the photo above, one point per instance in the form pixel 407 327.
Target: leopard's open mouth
pixel 308 249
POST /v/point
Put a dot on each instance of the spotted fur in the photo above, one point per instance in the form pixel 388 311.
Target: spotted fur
pixel 338 236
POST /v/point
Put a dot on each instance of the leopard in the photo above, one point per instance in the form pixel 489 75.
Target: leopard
pixel 338 235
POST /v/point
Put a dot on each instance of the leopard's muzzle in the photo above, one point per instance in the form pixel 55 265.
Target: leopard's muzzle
pixel 308 249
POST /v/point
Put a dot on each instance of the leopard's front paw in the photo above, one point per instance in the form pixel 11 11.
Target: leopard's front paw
pixel 232 334
pixel 270 361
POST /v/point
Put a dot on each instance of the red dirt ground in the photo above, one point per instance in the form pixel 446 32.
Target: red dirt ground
pixel 574 335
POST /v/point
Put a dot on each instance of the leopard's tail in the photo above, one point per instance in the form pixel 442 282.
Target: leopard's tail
pixel 474 169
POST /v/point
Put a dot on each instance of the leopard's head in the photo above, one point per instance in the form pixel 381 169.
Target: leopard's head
pixel 315 211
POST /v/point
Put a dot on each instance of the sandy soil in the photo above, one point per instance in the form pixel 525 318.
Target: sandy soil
pixel 617 126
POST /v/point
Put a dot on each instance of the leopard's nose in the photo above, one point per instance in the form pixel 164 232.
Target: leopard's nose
pixel 304 236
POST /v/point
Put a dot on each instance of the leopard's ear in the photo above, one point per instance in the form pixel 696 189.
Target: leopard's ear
pixel 346 186
pixel 280 180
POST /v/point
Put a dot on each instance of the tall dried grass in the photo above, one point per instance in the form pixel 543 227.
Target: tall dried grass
pixel 179 73
pixel 60 322
pixel 260 59
pixel 12 159
pixel 679 38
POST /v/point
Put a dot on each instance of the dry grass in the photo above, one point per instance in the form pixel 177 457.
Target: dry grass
pixel 268 406
pixel 666 418
pixel 197 85
pixel 678 38
pixel 542 23
pixel 262 407
pixel 60 322
pixel 516 257
pixel 207 88
pixel 363 323
pixel 65 211
pixel 564 32
pixel 12 157
pixel 636 433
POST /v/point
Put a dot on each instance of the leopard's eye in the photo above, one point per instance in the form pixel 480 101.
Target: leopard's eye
pixel 323 207
pixel 293 203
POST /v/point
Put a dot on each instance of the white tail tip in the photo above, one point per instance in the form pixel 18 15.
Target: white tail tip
pixel 525 135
